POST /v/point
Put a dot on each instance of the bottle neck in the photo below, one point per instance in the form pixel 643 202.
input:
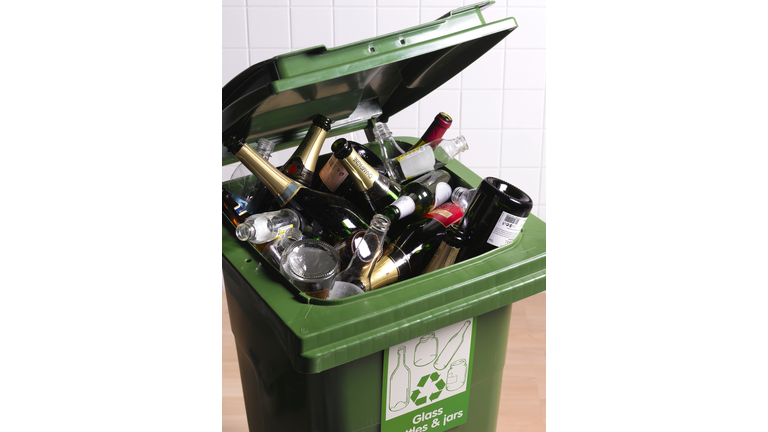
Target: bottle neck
pixel 278 184
pixel 363 175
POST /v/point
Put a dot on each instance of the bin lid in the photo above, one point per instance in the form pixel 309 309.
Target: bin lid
pixel 351 84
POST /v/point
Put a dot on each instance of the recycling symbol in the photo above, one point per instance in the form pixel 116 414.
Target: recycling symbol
pixel 435 382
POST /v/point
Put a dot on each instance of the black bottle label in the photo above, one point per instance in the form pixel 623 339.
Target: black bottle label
pixel 296 171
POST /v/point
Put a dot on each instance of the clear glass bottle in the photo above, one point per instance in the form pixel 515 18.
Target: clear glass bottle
pixel 356 278
pixel 435 131
pixel 495 217
pixel 265 227
pixel 273 251
pixel 387 142
pixel 425 158
pixel 400 383
pixel 300 167
pixel 462 197
pixel 450 349
pixel 373 191
pixel 425 351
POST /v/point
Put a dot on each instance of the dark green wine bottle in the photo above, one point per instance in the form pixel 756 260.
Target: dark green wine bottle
pixel 495 217
pixel 418 197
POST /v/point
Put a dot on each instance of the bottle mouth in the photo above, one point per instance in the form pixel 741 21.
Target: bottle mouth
pixel 457 193
pixel 243 231
pixel 507 191
pixel 311 259
pixel 322 122
pixel 341 148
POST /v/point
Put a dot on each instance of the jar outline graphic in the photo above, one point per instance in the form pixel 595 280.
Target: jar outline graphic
pixel 426 350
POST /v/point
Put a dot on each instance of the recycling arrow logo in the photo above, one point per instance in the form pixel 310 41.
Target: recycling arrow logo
pixel 422 394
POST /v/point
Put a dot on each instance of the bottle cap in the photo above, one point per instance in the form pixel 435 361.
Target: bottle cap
pixel 444 119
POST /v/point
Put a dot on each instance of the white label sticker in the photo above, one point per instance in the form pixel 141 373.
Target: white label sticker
pixel 506 230
pixel 333 173
pixel 442 193
pixel 405 204
pixel 417 161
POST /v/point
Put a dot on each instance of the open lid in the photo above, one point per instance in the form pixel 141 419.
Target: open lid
pixel 368 80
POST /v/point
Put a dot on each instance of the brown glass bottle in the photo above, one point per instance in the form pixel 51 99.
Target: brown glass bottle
pixel 330 217
pixel 301 165
pixel 411 251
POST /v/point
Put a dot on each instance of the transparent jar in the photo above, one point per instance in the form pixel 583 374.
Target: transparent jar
pixel 311 265
pixel 457 375
pixel 426 350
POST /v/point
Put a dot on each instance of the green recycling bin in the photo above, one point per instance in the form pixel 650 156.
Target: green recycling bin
pixel 424 354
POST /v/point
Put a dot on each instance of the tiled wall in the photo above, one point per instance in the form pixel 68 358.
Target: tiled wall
pixel 497 102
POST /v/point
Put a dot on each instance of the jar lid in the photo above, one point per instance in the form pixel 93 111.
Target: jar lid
pixel 310 259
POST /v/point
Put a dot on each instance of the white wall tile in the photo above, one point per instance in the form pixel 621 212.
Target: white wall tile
pixel 543 188
pixel 523 109
pixel 233 61
pixel 233 2
pixel 311 3
pixel 487 72
pixel 405 119
pixel 354 3
pixel 485 172
pixel 261 54
pixel 269 27
pixel 521 148
pixel 438 101
pixel 484 147
pixel 481 109
pixel 310 26
pixel 531 28
pixel 353 25
pixel 493 14
pixel 544 146
pixel 268 3
pixel 431 14
pixel 535 3
pixel 524 69
pixel 525 179
pixel 398 3
pixel 541 212
pixel 451 4
pixel 233 26
pixel 389 20
pixel 453 83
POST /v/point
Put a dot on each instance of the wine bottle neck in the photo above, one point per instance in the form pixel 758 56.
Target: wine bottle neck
pixel 278 184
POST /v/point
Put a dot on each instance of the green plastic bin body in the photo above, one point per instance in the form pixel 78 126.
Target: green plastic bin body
pixel 311 365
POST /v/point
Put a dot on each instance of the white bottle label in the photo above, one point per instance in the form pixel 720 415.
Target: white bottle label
pixel 333 173
pixel 442 193
pixel 417 161
pixel 506 230
pixel 405 204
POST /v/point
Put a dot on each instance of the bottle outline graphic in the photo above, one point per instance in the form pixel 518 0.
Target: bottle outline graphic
pixel 456 376
pixel 426 350
pixel 400 383
pixel 450 349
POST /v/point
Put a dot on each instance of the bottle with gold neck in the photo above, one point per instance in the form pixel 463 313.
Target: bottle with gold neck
pixel 303 162
pixel 373 190
pixel 330 217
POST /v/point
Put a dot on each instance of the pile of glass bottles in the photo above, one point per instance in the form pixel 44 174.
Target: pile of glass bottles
pixel 361 222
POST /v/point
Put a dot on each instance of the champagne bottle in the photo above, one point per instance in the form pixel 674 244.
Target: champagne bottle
pixel 448 249
pixel 232 208
pixel 356 278
pixel 420 196
pixel 436 130
pixel 411 251
pixel 265 227
pixel 494 218
pixel 452 347
pixel 301 165
pixel 374 191
pixel 462 197
pixel 425 158
pixel 246 187
pixel 333 177
pixel 387 142
pixel 330 217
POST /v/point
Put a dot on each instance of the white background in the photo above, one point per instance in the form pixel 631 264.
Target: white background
pixel 110 309
pixel 497 102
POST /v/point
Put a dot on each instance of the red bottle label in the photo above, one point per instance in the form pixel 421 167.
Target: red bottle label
pixel 447 214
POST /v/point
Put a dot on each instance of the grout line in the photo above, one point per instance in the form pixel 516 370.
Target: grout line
pixel 247 37
pixel 290 28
